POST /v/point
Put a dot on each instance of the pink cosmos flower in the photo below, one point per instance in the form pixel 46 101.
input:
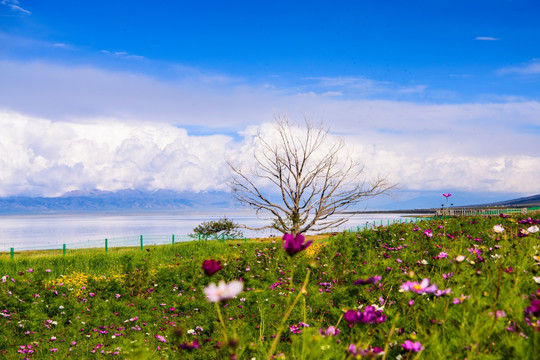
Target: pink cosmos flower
pixel 331 331
pixel 160 338
pixel 443 292
pixel 420 288
pixel 416 346
pixel 223 291
pixel 369 352
pixel 447 195
pixel 460 299
pixel 428 233
pixel 442 255
pixel 498 229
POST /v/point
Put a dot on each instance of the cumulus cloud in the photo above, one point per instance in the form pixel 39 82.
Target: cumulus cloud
pixel 43 157
pixel 81 127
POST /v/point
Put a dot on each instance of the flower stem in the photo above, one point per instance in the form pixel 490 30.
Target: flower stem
pixel 390 334
pixel 284 320
pixel 223 328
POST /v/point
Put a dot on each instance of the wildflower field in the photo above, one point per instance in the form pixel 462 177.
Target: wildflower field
pixel 442 289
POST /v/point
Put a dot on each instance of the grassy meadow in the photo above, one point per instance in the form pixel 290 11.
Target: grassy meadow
pixel 451 288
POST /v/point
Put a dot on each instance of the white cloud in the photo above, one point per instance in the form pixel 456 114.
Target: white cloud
pixel 359 85
pixel 49 158
pixel 530 68
pixel 79 127
pixel 43 157
pixel 486 38
pixel 123 54
pixel 14 5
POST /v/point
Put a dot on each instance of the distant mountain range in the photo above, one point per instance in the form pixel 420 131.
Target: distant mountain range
pixel 528 201
pixel 95 201
pixel 123 200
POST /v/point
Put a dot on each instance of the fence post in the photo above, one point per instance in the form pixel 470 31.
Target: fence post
pixel 173 239
pixel 223 238
pixel 199 237
pixel 245 239
pixel 12 253
pixel 142 243
pixel 106 245
pixel 64 249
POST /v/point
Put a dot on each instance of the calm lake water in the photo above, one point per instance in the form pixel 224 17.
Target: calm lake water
pixel 90 230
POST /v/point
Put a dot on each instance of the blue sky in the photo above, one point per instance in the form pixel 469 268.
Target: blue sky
pixel 438 95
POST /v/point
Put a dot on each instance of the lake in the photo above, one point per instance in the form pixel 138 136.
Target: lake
pixel 30 232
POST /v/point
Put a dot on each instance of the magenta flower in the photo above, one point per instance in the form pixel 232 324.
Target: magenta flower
pixel 297 329
pixel 408 345
pixel 420 288
pixel 190 346
pixel 370 315
pixel 447 276
pixel 371 280
pixel 295 244
pixel 428 233
pixel 447 195
pixel 532 313
pixel 211 266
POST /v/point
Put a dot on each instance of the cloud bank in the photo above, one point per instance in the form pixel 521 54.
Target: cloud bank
pixel 77 127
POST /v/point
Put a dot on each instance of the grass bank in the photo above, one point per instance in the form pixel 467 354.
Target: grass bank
pixel 439 289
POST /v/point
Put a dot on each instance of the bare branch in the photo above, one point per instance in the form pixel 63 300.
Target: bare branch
pixel 314 175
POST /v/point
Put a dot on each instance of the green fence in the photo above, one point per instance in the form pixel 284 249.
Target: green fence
pixel 140 241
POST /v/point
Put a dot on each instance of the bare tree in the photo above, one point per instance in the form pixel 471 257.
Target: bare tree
pixel 315 176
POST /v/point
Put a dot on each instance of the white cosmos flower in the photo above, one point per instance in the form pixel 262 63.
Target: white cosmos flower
pixel 533 229
pixel 498 229
pixel 223 291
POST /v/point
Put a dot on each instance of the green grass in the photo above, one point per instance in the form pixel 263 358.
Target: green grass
pixel 115 304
